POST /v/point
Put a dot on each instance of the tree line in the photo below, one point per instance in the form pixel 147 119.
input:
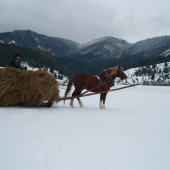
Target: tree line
pixel 89 63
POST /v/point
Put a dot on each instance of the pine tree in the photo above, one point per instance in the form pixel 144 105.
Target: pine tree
pixel 153 76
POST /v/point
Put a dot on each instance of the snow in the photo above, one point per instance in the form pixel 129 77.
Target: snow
pixel 166 53
pixel 13 42
pixel 2 42
pixel 138 79
pixel 131 134
pixel 99 40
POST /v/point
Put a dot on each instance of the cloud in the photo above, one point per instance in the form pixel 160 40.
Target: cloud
pixel 85 20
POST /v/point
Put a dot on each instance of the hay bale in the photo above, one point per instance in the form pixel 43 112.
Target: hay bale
pixel 27 88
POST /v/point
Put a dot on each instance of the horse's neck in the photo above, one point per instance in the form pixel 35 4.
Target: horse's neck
pixel 103 73
pixel 113 77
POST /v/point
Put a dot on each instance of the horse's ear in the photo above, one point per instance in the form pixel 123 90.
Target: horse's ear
pixel 118 67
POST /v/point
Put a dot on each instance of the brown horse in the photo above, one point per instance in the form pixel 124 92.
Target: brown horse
pixel 86 81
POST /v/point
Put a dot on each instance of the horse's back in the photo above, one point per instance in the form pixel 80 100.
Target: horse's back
pixel 83 77
pixel 85 81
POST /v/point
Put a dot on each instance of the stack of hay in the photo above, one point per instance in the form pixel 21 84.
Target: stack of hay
pixel 27 88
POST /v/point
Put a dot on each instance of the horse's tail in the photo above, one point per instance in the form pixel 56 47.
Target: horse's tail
pixel 70 83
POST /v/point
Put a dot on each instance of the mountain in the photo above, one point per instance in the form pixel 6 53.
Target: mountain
pixel 107 47
pixel 148 48
pixel 72 58
pixel 33 57
pixel 104 47
pixel 27 38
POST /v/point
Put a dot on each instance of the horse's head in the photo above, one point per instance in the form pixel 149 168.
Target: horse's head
pixel 116 72
pixel 121 74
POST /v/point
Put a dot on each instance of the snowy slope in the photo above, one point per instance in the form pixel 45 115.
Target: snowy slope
pixel 131 134
pixel 138 79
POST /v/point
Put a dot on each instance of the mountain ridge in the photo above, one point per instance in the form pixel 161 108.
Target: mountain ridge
pixel 27 38
pixel 92 57
pixel 105 47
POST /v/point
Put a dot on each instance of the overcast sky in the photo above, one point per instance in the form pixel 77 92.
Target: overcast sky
pixel 85 20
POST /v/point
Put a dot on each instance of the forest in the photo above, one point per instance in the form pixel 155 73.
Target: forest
pixel 71 65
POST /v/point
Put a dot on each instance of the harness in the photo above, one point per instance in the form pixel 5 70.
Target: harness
pixel 99 80
pixel 108 77
pixel 101 84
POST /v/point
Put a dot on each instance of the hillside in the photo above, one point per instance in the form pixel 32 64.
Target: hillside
pixel 148 48
pixel 155 70
pixel 103 47
pixel 34 57
pixel 27 38
pixel 92 57
pixel 106 47
pixel 156 74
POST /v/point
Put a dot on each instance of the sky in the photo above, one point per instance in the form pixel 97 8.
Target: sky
pixel 85 20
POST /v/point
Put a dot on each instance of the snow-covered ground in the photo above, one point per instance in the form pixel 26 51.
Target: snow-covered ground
pixel 132 78
pixel 133 133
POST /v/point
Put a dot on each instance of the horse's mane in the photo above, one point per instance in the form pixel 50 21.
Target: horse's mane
pixel 114 70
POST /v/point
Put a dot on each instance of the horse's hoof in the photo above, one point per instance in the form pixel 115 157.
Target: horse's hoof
pixel 103 107
pixel 81 105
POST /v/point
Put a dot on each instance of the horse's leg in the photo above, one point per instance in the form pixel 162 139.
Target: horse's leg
pixel 80 102
pixel 100 103
pixel 71 102
pixel 75 93
pixel 104 99
pixel 78 92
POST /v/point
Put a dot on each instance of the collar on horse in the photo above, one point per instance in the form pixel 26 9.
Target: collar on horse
pixel 107 77
pixel 99 80
pixel 101 84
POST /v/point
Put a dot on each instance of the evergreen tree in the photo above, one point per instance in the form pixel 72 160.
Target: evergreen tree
pixel 153 65
pixel 153 76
